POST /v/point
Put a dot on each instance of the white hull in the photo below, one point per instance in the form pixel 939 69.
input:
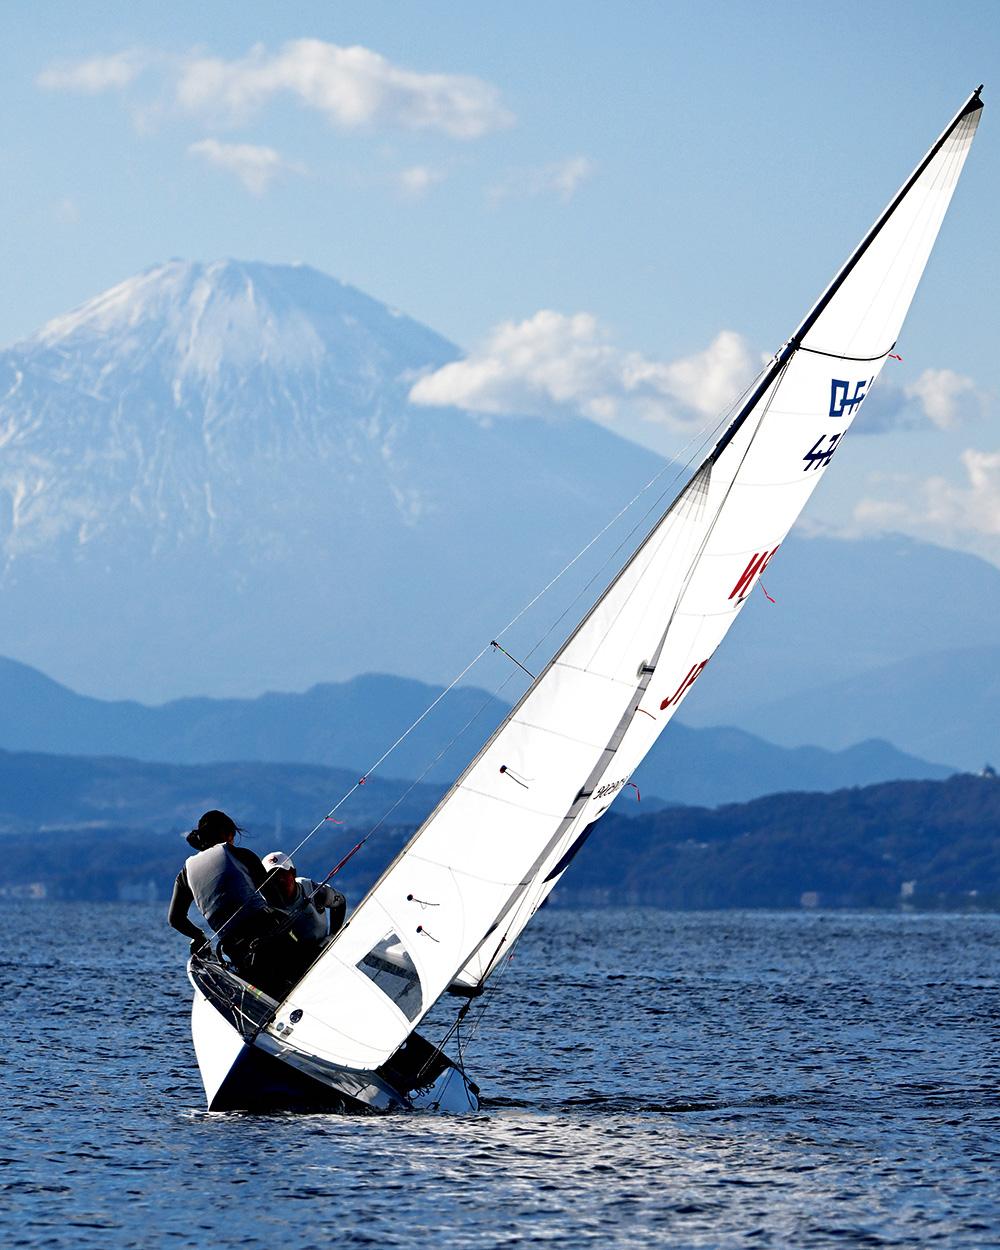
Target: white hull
pixel 264 1075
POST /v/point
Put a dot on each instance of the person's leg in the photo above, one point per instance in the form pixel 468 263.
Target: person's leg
pixel 277 960
pixel 258 950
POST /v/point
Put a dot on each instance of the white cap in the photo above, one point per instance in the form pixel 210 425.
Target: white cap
pixel 277 859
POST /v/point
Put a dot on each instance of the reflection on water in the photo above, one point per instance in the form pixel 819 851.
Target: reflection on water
pixel 651 1079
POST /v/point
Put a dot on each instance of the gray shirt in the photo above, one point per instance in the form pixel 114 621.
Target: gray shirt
pixel 222 886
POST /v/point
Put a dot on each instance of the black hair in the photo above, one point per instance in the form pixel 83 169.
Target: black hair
pixel 213 827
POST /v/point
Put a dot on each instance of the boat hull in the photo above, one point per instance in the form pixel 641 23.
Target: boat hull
pixel 244 1068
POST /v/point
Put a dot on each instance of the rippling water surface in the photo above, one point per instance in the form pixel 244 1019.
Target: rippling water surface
pixel 651 1079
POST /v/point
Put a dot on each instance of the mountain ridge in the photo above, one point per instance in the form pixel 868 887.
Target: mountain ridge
pixel 941 704
pixel 899 845
pixel 903 845
pixel 347 725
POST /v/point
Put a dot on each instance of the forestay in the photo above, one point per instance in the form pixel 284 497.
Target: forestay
pixel 449 907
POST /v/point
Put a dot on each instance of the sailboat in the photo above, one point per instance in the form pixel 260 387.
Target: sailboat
pixel 446 912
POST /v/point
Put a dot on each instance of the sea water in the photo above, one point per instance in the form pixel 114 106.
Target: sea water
pixel 650 1079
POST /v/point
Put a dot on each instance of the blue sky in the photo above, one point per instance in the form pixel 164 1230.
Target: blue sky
pixel 664 183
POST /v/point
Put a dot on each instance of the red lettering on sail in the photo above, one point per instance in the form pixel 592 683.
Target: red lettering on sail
pixel 693 674
pixel 758 563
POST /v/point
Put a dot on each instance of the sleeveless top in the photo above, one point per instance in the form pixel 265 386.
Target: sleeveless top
pixel 222 887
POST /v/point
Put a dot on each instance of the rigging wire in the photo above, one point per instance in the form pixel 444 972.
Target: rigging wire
pixel 698 442
pixel 455 1026
pixel 484 1004
pixel 502 968
pixel 693 447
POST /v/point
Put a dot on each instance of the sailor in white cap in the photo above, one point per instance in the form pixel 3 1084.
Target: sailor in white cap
pixel 306 902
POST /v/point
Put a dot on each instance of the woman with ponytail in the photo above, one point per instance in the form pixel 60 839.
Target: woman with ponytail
pixel 223 880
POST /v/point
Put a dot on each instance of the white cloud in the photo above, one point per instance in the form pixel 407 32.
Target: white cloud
pixel 945 397
pixel 100 73
pixel 417 180
pixel 562 178
pixel 565 176
pixel 947 508
pixel 351 86
pixel 557 363
pixel 256 167
pixel 938 397
pixel 706 382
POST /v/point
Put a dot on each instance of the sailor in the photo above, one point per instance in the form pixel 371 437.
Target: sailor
pixel 306 902
pixel 224 881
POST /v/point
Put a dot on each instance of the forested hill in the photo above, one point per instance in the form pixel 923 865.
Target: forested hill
pixel 900 844
pixel 926 844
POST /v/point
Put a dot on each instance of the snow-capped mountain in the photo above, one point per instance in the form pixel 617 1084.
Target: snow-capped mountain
pixel 147 413
pixel 211 481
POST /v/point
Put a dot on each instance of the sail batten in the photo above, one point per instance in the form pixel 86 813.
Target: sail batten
pixel 501 838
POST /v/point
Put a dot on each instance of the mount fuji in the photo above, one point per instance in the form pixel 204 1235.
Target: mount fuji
pixel 212 482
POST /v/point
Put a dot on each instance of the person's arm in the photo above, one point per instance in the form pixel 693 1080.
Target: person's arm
pixel 338 912
pixel 177 912
pixel 325 896
pixel 314 892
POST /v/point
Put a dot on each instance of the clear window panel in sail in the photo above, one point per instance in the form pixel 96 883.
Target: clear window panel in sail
pixel 389 965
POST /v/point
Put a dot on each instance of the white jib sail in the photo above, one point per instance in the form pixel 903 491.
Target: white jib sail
pixel 451 904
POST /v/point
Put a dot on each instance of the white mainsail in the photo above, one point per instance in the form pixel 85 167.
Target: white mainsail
pixel 452 903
